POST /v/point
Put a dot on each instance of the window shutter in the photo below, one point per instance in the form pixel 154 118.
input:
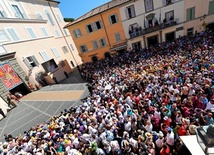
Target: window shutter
pixel 109 18
pixel 86 27
pixel 132 11
pixel 79 32
pixel 116 17
pixel 101 25
pixel 94 27
pixel 164 2
pixel 211 8
pixel 75 35
pixel 27 63
pixel 35 60
pixel 188 15
pixel 127 14
pixel 193 13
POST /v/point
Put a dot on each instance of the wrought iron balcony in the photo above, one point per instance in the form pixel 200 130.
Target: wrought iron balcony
pixel 139 32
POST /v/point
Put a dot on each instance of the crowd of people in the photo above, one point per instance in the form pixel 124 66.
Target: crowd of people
pixel 140 103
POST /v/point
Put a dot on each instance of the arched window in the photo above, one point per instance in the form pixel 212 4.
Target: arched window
pixel 49 17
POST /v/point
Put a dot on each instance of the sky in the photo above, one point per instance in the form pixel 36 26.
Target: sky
pixel 77 8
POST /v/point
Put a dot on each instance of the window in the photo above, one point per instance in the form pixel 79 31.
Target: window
pixel 44 31
pixel 98 25
pixel 113 19
pixel 117 36
pixel 13 34
pixel 57 33
pixel 18 13
pixel 211 8
pixel 2 50
pixel 190 14
pixel 83 48
pixel 130 12
pixel 167 2
pixel 102 42
pixel 148 5
pixel 66 32
pixel 50 19
pixel 31 33
pixel 89 28
pixel 72 47
pixel 31 61
pixel 59 18
pixel 1 14
pixel 65 49
pixel 44 56
pixel 55 52
pixel 169 17
pixel 190 31
pixel 95 45
pixel 77 33
pixel 3 36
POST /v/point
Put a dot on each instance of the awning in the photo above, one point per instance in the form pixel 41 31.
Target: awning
pixel 119 47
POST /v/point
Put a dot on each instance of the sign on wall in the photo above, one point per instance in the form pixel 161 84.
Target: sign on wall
pixel 8 76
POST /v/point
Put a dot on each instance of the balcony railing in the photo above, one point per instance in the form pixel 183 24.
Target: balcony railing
pixel 139 32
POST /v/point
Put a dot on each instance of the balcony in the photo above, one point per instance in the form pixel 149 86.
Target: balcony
pixel 139 31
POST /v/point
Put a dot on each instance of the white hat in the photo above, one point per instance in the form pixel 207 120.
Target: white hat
pixel 160 134
pixel 165 117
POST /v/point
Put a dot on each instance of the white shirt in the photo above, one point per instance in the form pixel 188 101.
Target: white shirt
pixel 170 138
pixel 209 105
pixel 159 142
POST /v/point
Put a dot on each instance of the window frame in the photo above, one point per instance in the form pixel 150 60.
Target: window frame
pixel 86 49
pixel 75 34
pixel 132 8
pixel 116 18
pixel 190 17
pixel 44 55
pixel 55 52
pixel 31 32
pixel 30 64
pixel 146 7
pixel 17 38
pixel 17 10
pixel 6 36
pixel 44 32
pixel 100 22
pixel 57 33
pixel 117 35
pixel 50 18
pixel 65 49
pixel 100 41
pixel 95 44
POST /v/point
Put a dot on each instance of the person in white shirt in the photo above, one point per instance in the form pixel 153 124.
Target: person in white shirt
pixel 170 138
pixel 160 141
pixel 210 104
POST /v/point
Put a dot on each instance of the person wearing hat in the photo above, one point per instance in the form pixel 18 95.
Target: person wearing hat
pixel 160 141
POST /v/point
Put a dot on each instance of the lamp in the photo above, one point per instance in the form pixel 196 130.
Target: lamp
pixel 205 138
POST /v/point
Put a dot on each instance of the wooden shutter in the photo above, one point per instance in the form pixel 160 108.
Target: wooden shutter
pixel 211 8
pixel 35 60
pixel 25 60
pixel 188 14
pixel 164 2
pixel 116 17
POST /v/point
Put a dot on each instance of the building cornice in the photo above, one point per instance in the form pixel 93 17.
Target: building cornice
pixel 18 20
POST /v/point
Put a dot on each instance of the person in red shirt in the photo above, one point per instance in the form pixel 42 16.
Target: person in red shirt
pixel 165 150
pixel 181 130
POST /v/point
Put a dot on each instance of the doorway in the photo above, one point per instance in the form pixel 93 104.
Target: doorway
pixel 210 27
pixel 136 46
pixel 170 36
pixel 152 40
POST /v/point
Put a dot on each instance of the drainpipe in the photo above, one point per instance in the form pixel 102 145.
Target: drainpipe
pixel 63 34
pixel 105 30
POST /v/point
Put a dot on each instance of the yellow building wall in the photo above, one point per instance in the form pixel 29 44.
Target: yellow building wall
pixel 108 32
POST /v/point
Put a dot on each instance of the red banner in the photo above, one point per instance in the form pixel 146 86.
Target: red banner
pixel 8 77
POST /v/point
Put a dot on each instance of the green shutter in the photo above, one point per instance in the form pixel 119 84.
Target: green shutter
pixel 211 8
pixel 188 14
pixel 109 18
pixel 193 13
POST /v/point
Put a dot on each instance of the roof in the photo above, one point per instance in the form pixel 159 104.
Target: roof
pixel 98 10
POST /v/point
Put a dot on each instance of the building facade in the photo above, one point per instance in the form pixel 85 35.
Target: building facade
pixel 99 33
pixel 148 22
pixel 199 15
pixel 34 47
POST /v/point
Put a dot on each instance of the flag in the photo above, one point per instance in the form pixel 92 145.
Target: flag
pixel 153 22
pixel 145 23
pixel 160 19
